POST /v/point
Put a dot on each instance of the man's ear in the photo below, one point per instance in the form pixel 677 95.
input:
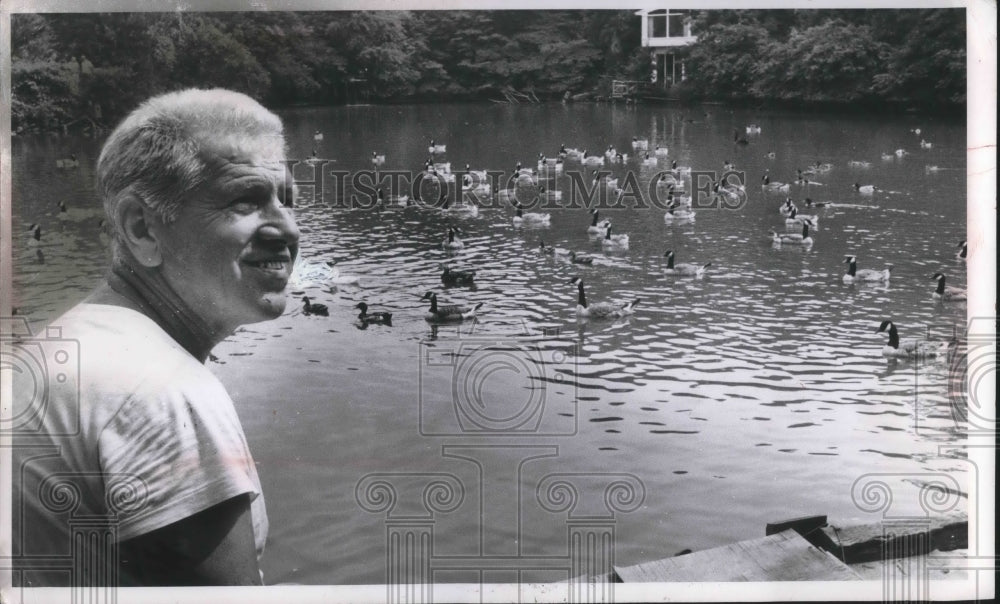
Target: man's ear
pixel 139 237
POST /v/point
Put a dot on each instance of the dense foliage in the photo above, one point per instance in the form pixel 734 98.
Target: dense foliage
pixel 88 69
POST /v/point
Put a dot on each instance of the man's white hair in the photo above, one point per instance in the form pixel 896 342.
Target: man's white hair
pixel 156 152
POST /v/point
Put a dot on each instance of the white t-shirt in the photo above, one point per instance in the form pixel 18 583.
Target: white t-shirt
pixel 125 432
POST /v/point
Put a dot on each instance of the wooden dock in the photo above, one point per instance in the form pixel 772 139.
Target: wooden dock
pixel 785 556
pixel 810 549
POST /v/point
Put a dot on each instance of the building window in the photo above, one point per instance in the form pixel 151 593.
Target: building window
pixel 666 24
pixel 658 24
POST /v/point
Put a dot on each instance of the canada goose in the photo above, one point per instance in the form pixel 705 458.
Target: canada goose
pixel 963 252
pixel 600 310
pixel 449 313
pixel 866 275
pixel 803 239
pixel 948 293
pixel 451 241
pixel 909 348
pixel 685 269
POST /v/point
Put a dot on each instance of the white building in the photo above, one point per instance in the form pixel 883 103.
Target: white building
pixel 663 30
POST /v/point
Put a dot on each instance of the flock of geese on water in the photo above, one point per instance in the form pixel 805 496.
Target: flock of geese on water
pixel 679 210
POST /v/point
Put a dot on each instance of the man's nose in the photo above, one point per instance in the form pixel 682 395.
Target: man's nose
pixel 280 224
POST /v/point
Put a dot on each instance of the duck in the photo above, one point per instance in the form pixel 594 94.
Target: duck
pixel 677 214
pixel 477 175
pixel 314 309
pixel 550 163
pixel 803 239
pixel 451 241
pixel 795 219
pixel 600 310
pixel 580 258
pixel 855 163
pixel 963 252
pixel 451 313
pixel 35 235
pixel 435 148
pixel 380 317
pixel 392 200
pixel 595 227
pixel 546 194
pixel 948 294
pixel 70 162
pixel 453 277
pixel 614 242
pixel 739 139
pixel 661 151
pixel 640 144
pixel 464 210
pixel 767 185
pixel 902 152
pixel 787 207
pixel 683 201
pixel 925 144
pixel 865 275
pixel 886 156
pixel 318 136
pixel 684 270
pixel 909 348
pixel 753 129
pixel 377 159
pixel 76 214
pixel 677 171
pixel 530 218
pixel 802 181
pixel 865 189
pixel 549 250
pixel 649 160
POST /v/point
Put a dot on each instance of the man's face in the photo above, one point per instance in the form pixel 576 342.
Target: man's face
pixel 229 253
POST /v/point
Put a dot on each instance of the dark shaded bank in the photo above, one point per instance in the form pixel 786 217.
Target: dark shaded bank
pixel 74 71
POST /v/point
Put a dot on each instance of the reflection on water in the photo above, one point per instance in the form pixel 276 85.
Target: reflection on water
pixel 755 393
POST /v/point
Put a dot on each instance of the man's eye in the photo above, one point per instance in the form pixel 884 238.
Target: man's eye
pixel 243 205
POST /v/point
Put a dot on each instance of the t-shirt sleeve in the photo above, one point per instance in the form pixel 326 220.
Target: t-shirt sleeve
pixel 174 448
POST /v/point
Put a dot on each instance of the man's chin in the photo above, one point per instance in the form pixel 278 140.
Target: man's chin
pixel 269 307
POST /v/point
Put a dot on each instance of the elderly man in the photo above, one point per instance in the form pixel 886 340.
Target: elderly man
pixel 203 241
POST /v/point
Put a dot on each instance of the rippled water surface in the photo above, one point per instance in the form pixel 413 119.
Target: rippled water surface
pixel 753 394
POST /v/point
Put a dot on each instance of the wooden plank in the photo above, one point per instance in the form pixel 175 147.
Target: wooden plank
pixel 785 556
pixel 802 526
pixel 870 542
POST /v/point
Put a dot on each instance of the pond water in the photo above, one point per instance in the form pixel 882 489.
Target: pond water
pixel 754 394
